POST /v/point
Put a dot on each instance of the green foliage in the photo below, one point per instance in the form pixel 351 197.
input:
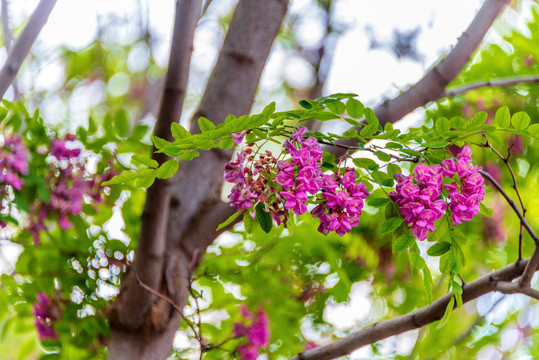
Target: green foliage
pixel 296 274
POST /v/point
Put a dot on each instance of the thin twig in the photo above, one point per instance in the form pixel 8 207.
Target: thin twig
pixel 165 298
pixel 512 204
pixel 24 42
pixel 507 287
pixel 515 186
pixel 414 320
pixel 356 148
pixel 502 82
pixel 525 280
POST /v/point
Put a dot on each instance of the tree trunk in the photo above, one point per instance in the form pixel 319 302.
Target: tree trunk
pixel 143 327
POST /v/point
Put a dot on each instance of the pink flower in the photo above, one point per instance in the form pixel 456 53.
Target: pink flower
pixel 256 333
pixel 43 319
pixel 295 201
pixel 238 137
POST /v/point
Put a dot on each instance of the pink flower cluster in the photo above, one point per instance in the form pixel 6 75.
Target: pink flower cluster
pixel 257 333
pixel 67 185
pixel 419 195
pixel 287 185
pixel 301 175
pixel 13 164
pixel 43 317
pixel 464 202
pixel 342 202
pixel 249 176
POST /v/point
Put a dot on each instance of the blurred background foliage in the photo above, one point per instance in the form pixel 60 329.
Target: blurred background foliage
pixel 314 288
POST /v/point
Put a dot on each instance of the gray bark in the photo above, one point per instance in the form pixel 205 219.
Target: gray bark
pixel 143 326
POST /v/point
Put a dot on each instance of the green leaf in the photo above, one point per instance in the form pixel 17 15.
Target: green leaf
pixel 448 311
pixel 351 133
pixel 485 210
pixel 121 123
pixel 328 157
pixel 391 224
pixel 179 131
pixel 122 178
pixel 534 130
pixel 402 243
pixel 336 107
pixel 520 120
pixel 444 263
pixel 145 161
pixel 229 221
pixel 477 120
pixel 189 155
pixel 263 218
pixel 378 202
pixel 382 156
pixel 503 117
pixel 393 169
pixel 343 95
pixel 160 143
pixel 306 104
pixel 382 178
pixel 226 143
pixel 442 125
pixel 428 284
pixel 355 108
pixel 146 179
pixel 167 169
pixel 441 230
pixel 439 249
pixel 393 145
pixel 366 163
pixel 453 264
pixel 249 223
pixel 205 124
pixel 372 128
pixel 416 261
pixel 458 122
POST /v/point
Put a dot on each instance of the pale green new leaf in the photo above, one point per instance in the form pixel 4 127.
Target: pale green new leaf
pixel 167 169
pixel 503 117
pixel 448 312
pixel 178 131
pixel 428 284
pixel 145 161
pixel 122 178
pixel 355 108
pixel 229 221
pixel 416 261
pixel 520 120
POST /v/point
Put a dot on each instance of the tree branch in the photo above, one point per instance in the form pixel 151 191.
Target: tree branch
pixel 512 204
pixel 22 45
pixel 507 287
pixel 8 40
pixel 195 207
pixel 132 306
pixel 502 82
pixel 414 320
pixel 432 86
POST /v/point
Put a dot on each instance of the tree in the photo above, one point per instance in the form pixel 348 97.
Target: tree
pixel 58 207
